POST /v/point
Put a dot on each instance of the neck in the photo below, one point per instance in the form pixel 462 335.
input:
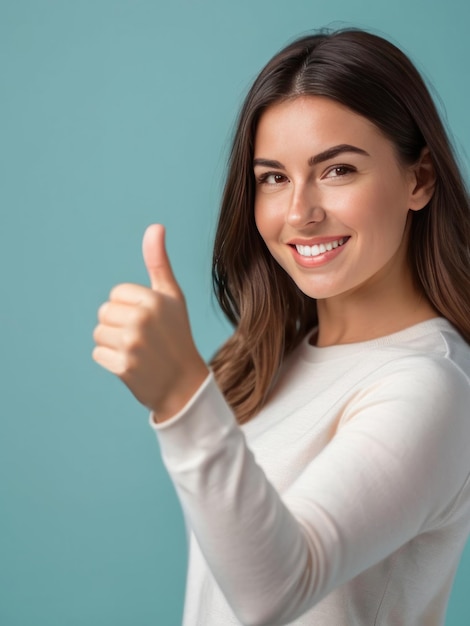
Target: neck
pixel 373 311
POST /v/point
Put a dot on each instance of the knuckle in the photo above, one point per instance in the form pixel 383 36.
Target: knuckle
pixel 117 292
pixel 139 316
pixel 131 339
pixel 128 364
pixel 97 333
pixel 145 315
pixel 102 311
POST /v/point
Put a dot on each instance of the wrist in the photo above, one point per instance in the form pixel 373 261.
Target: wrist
pixel 176 400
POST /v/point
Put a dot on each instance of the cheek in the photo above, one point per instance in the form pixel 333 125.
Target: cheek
pixel 377 210
pixel 392 214
pixel 267 219
pixel 270 224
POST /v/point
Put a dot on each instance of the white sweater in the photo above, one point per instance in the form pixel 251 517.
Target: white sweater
pixel 345 501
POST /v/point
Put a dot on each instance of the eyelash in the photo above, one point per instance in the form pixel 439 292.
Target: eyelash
pixel 347 169
pixel 263 179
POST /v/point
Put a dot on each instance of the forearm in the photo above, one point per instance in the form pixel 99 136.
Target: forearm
pixel 236 514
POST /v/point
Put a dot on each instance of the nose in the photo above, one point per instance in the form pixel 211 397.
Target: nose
pixel 305 208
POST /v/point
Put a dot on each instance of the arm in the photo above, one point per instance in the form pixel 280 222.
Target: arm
pixel 392 471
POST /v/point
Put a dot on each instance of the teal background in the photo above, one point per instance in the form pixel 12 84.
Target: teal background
pixel 113 115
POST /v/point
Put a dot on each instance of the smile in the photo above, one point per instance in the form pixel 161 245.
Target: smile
pixel 321 248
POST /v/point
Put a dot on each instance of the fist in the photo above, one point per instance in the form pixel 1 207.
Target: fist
pixel 144 337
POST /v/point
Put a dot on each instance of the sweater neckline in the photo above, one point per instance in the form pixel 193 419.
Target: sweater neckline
pixel 316 354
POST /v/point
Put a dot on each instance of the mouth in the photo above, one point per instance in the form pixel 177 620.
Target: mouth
pixel 321 248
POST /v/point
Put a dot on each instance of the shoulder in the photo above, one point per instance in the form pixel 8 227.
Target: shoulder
pixel 419 383
pixel 434 363
pixel 435 372
pixel 430 384
pixel 418 404
pixel 415 410
pixel 437 368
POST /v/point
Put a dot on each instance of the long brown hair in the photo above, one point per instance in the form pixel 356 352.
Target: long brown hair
pixel 271 315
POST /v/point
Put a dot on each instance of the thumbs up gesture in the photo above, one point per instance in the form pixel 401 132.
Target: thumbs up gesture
pixel 144 337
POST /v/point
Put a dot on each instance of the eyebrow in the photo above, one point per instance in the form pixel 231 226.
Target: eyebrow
pixel 326 155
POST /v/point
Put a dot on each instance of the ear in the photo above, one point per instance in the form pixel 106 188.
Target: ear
pixel 423 181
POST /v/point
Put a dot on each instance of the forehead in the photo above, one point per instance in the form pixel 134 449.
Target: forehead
pixel 316 122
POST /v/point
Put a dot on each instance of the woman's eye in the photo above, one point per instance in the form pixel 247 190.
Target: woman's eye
pixel 338 171
pixel 271 178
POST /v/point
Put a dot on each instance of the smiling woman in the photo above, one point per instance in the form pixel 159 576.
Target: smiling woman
pixel 322 464
pixel 323 217
pixel 375 83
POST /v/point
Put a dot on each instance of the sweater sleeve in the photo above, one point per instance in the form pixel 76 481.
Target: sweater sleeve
pixel 393 469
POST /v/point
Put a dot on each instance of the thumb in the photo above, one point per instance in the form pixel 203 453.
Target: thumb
pixel 157 262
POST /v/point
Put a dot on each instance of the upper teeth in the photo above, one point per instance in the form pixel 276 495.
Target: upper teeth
pixel 320 248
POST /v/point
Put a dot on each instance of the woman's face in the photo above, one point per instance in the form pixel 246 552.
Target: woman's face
pixel 332 199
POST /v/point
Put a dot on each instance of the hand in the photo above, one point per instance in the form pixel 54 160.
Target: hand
pixel 144 336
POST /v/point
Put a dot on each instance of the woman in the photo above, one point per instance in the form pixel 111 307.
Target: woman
pixel 342 259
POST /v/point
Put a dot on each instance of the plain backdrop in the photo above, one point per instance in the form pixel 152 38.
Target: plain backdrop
pixel 114 115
